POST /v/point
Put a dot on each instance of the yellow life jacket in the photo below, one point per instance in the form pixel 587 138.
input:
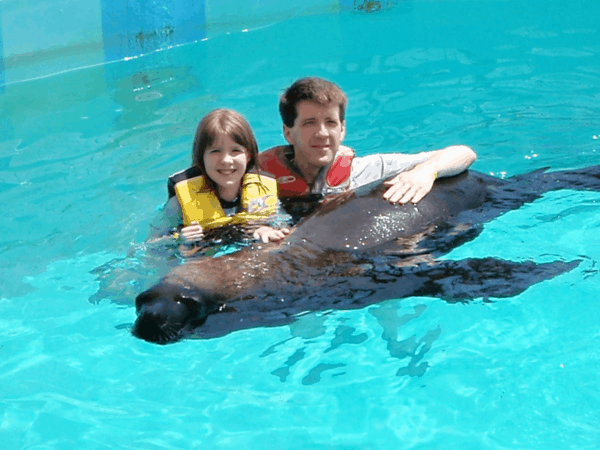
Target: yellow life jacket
pixel 200 204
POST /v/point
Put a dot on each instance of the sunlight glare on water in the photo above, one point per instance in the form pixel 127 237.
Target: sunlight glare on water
pixel 84 158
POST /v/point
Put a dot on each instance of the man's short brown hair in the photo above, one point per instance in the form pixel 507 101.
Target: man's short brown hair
pixel 313 89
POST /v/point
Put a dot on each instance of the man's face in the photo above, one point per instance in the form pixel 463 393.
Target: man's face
pixel 316 135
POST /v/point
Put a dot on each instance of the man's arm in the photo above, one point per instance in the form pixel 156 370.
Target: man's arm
pixel 413 185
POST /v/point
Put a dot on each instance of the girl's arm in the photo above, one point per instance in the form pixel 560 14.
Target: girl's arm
pixel 169 219
pixel 270 234
pixel 277 228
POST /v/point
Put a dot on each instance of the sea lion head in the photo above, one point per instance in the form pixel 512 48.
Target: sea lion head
pixel 167 312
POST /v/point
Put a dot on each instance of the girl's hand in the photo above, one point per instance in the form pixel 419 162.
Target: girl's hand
pixel 192 233
pixel 269 234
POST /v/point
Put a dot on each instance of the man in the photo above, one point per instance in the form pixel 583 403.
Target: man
pixel 315 163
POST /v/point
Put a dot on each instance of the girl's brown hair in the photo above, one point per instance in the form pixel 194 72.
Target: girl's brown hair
pixel 230 123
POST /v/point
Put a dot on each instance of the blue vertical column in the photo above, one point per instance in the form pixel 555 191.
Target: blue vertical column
pixel 134 27
pixel 346 5
pixel 130 28
pixel 2 78
pixel 367 6
pixel 6 127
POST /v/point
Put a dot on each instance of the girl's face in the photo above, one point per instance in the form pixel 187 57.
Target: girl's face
pixel 225 162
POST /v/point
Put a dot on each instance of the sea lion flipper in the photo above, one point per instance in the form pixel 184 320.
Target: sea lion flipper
pixel 487 277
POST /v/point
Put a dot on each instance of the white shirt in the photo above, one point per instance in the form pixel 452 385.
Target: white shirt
pixel 366 169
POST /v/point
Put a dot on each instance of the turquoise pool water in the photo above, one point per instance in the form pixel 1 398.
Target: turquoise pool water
pixel 84 157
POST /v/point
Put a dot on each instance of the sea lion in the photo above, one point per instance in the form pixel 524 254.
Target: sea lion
pixel 354 250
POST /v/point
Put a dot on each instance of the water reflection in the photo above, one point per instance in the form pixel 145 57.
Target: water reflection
pixel 309 332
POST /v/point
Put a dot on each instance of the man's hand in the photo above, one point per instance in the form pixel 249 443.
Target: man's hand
pixel 413 185
pixel 410 186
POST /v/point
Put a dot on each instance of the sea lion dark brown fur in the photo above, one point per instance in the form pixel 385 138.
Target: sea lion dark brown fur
pixel 354 250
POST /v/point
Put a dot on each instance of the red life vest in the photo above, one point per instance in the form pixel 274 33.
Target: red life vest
pixel 290 182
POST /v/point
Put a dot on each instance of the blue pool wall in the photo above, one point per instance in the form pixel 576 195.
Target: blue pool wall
pixel 42 37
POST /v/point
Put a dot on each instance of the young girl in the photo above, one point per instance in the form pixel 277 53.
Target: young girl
pixel 224 185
